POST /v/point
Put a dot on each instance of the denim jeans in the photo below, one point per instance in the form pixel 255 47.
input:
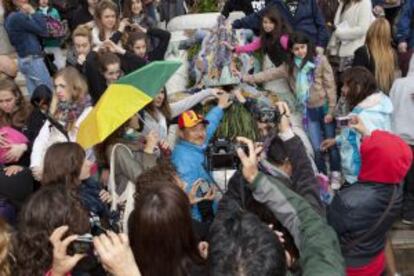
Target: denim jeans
pixel 35 72
pixel 319 131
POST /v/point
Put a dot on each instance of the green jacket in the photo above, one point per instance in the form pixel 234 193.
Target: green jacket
pixel 317 242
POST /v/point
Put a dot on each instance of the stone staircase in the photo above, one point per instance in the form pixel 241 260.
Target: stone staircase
pixel 403 244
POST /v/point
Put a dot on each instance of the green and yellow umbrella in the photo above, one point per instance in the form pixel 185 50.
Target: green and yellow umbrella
pixel 123 99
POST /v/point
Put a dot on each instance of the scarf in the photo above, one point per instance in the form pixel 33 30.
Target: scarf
pixel 68 112
pixel 304 79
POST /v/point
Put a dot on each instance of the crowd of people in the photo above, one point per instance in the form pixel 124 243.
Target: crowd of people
pixel 316 194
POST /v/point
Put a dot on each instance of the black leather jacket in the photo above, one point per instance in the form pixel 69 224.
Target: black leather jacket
pixel 355 210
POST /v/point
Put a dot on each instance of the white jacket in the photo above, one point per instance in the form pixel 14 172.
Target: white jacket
pixel 351 28
pixel 48 136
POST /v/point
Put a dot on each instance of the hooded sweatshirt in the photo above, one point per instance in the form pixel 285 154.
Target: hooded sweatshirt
pixel 375 112
pixel 356 209
pixel 402 97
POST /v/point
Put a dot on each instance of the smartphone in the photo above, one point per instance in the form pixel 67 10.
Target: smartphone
pixel 343 121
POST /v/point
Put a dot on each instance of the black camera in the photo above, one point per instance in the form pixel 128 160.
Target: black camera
pixel 222 154
pixel 268 115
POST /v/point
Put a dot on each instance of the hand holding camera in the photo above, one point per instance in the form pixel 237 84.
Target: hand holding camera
pixel 249 161
pixel 62 262
pixel 357 124
pixel 115 254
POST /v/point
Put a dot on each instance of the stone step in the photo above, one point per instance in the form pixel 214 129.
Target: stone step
pixel 402 237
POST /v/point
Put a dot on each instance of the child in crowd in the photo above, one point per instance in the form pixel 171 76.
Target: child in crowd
pixel 134 11
pixel 273 38
pixel 52 45
pixel 140 43
pixel 315 91
pixel 373 107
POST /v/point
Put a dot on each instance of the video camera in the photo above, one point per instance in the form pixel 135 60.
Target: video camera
pixel 222 154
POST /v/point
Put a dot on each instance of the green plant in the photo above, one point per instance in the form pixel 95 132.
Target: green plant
pixel 237 121
pixel 202 6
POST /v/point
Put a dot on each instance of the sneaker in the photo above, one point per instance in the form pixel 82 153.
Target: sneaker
pixel 336 180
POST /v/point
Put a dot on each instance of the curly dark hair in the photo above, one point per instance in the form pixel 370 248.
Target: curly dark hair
pixel 50 207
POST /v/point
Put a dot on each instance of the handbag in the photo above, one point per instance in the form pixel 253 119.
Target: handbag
pixel 123 203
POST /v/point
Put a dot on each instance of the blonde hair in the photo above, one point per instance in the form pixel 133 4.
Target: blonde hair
pixel 5 247
pixel 76 86
pixel 378 41
pixel 100 8
pixel 84 31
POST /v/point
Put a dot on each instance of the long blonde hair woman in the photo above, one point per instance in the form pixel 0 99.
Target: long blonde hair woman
pixel 70 105
pixel 377 54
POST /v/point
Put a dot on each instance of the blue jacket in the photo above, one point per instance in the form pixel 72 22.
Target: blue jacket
pixel 189 159
pixel 308 19
pixel 24 32
pixel 405 26
pixel 375 112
